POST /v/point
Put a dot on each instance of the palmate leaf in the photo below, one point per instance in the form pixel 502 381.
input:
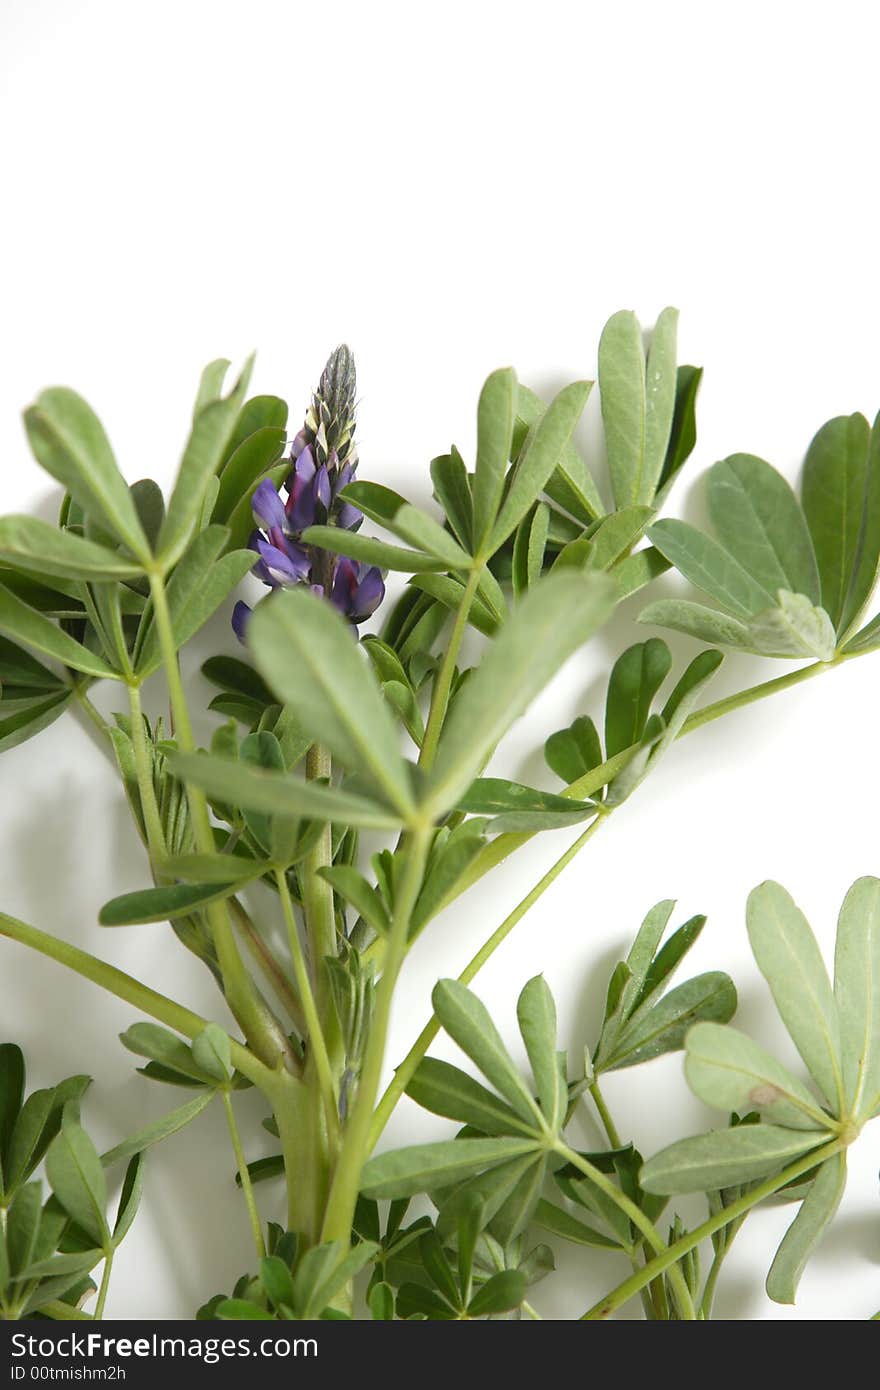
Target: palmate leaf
pixel 496 413
pixel 467 1021
pixel 803 1235
pixel 683 435
pixel 68 440
pixel 539 459
pixel 513 806
pixel 404 1172
pixel 549 624
pixel 33 545
pixel 447 1090
pixel 77 1179
pixel 536 1013
pixel 299 640
pixel 729 1071
pixel 710 567
pixel 452 490
pixel 662 1027
pixel 570 485
pixel 24 624
pixel 789 958
pixel 372 551
pixel 760 522
pixel 387 508
pixel 857 995
pixel 724 1158
pixel 635 679
pixel 638 403
pixel 834 492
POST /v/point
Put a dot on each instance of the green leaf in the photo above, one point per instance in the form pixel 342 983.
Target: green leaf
pixel 833 490
pixel 711 568
pixel 32 717
pixel 68 440
pixel 501 1293
pixel 467 1021
pixel 300 642
pixel 209 868
pixel 150 507
pixel 517 807
pixel 211 1052
pixel 242 1310
pixel 573 752
pixel 448 867
pixel 453 491
pixel 561 1223
pixel 229 673
pixel 541 455
pixel 635 571
pixel 529 545
pixel 404 1172
pixel 438 1268
pixel 129 1198
pixel 12 1073
pixel 364 898
pixel 199 585
pixel 371 551
pixel 241 519
pixel 729 1071
pixel 683 435
pixel 857 995
pixel 495 419
pixel 31 544
pixel 258 413
pixel 668 958
pixel 166 903
pixel 615 534
pixel 449 591
pixel 638 403
pixel 662 1027
pixel 38 1122
pixel 324 1270
pixel 162 1047
pixel 635 679
pixel 212 429
pixel 277 1280
pixel 23 1225
pixel 536 1013
pixel 571 485
pixel 726 1158
pixel 446 1090
pixel 759 521
pixel 381 1303
pixel 555 618
pixel 18 668
pixel 793 628
pixel 387 508
pixel 867 560
pixel 280 794
pixel 246 465
pixel 77 1179
pixel 160 1129
pixel 24 624
pixel 695 620
pixel 803 1235
pixel 789 958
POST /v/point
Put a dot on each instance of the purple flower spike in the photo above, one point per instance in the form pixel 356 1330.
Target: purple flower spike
pixel 357 589
pixel 322 491
pixel 267 507
pixel 287 566
pixel 241 616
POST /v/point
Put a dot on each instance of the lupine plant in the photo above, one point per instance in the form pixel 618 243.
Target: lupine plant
pixel 321 730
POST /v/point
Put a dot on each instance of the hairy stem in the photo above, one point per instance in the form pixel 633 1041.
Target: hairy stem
pixel 261 1028
pixel 443 680
pixel 357 1144
pixel 245 1177
pixel 318 910
pixel 641 1222
pixel 143 762
pixel 403 1074
pixel 606 1306
pixel 317 1047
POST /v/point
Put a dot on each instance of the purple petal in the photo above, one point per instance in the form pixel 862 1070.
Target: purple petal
pixel 300 509
pixel 267 506
pixel 344 477
pixel 283 567
pixel 345 584
pixel 241 616
pixel 369 594
pixel 322 487
pixel 299 443
pixel 348 517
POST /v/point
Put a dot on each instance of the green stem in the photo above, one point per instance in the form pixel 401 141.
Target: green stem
pixel 105 1286
pixel 673 1253
pixel 90 710
pixel 245 1177
pixel 262 1030
pixel 274 973
pixel 357 1143
pixel 605 1116
pixel 403 1074
pixel 318 906
pixel 126 987
pixel 443 681
pixel 315 1036
pixel 640 1221
pixel 143 762
pixel 63 1312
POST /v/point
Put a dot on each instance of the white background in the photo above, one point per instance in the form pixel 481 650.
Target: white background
pixel 449 189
